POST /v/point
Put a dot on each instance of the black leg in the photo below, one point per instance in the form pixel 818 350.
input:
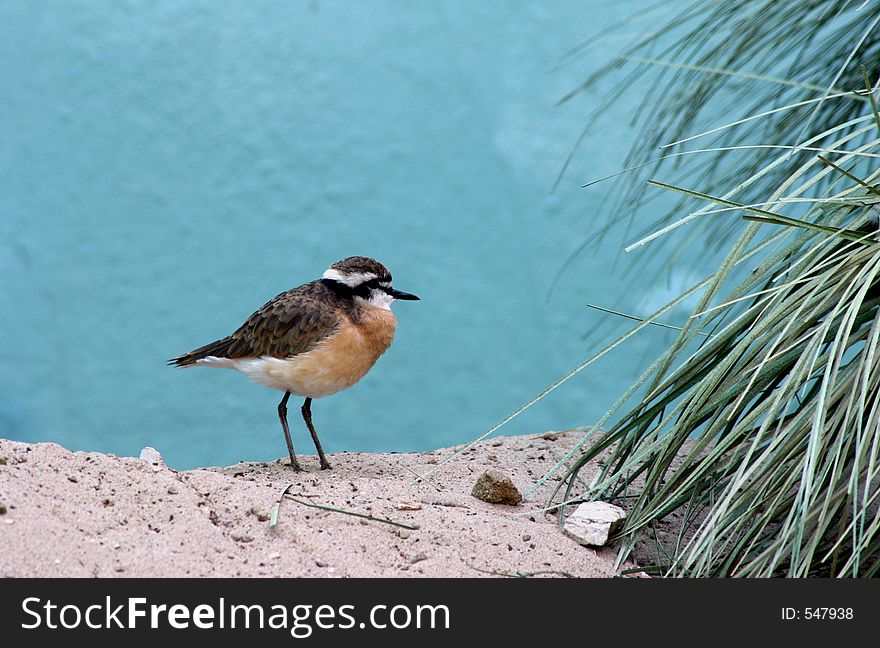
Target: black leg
pixel 282 414
pixel 307 416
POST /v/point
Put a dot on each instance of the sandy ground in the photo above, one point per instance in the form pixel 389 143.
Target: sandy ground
pixel 85 514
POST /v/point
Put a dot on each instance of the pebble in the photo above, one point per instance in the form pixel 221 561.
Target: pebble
pixel 593 523
pixel 495 487
pixel 261 514
pixel 152 457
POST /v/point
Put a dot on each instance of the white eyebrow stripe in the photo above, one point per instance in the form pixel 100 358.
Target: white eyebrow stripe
pixel 350 280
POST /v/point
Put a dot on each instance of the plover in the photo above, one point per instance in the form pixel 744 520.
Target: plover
pixel 314 340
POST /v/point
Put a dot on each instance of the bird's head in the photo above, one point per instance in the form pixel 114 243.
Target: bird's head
pixel 368 281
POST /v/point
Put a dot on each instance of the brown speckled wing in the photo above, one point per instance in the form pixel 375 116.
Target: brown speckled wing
pixel 289 324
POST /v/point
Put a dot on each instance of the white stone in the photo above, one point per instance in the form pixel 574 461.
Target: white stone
pixel 151 456
pixel 592 523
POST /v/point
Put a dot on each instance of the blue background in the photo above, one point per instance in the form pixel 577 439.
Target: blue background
pixel 167 167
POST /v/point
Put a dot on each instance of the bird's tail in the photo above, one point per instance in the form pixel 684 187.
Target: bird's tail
pixel 216 349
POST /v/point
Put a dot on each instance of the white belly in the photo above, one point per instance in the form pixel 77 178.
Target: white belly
pixel 287 375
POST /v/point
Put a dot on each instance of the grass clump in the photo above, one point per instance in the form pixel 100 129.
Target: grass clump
pixel 759 428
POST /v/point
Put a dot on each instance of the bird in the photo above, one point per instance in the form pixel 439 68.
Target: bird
pixel 312 341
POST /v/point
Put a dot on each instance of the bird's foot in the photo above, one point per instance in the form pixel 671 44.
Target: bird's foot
pixel 295 465
pixel 325 465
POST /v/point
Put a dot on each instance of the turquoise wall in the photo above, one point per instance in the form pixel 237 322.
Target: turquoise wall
pixel 169 166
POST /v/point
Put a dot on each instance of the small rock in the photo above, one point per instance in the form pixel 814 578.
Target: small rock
pixel 261 514
pixel 526 537
pixel 409 506
pixel 151 456
pixel 241 537
pixel 419 557
pixel 320 563
pixel 495 487
pixel 275 555
pixel 592 523
pixel 3 461
pixel 173 490
pixel 2 509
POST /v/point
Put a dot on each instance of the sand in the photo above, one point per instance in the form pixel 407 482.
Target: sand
pixel 85 514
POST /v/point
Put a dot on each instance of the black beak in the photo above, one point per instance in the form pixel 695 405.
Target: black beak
pixel 399 294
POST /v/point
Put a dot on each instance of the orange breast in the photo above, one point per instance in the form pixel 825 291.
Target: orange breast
pixel 342 359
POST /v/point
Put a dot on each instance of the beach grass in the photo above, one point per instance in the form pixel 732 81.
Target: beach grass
pixel 759 427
